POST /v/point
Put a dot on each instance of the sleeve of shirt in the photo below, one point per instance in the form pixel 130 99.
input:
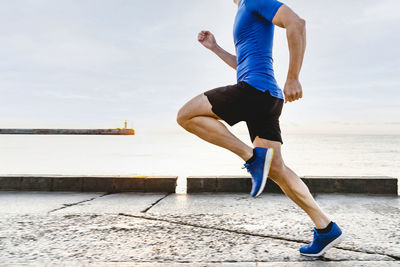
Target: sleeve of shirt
pixel 265 8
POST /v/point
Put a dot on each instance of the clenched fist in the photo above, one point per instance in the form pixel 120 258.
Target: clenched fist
pixel 207 39
pixel 292 90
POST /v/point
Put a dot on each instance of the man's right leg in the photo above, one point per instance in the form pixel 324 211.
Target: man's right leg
pixel 292 185
pixel 197 117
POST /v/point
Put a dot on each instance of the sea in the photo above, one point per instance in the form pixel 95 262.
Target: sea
pixel 152 153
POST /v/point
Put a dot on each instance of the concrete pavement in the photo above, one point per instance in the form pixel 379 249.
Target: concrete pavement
pixel 147 229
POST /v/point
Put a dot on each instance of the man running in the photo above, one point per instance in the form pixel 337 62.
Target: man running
pixel 258 100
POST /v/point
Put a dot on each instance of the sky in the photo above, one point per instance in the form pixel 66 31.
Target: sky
pixel 96 63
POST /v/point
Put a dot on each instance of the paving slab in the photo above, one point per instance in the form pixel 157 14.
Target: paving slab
pixel 121 238
pixel 39 202
pixel 369 222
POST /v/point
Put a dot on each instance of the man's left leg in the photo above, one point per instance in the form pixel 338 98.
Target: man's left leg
pixel 197 117
pixel 232 104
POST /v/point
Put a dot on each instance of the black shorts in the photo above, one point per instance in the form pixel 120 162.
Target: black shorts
pixel 242 102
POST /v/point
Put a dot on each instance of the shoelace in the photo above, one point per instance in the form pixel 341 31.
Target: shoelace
pixel 246 166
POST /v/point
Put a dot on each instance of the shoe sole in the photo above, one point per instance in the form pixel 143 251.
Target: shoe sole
pixel 330 245
pixel 267 166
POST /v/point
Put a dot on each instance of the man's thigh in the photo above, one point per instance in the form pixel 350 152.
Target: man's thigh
pixel 223 103
pixel 197 106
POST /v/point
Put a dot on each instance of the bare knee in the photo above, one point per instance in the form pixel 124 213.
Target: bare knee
pixel 197 106
pixel 185 120
pixel 182 118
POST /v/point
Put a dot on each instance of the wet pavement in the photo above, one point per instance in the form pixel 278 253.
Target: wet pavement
pixel 138 229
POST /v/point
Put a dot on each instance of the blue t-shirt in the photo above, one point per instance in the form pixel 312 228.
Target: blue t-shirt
pixel 253 34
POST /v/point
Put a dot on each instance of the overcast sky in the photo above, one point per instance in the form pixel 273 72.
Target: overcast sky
pixel 70 63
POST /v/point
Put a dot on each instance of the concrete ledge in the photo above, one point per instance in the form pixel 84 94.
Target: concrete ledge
pixel 316 184
pixel 195 184
pixel 88 183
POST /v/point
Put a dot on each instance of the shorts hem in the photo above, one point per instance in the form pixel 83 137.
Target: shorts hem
pixel 220 114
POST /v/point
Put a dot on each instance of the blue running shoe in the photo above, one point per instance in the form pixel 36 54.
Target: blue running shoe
pixel 259 169
pixel 322 242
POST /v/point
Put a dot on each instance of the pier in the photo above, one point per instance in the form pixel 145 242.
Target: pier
pixel 118 131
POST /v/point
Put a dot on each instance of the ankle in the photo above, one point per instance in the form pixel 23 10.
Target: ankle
pixel 325 229
pixel 322 224
pixel 249 155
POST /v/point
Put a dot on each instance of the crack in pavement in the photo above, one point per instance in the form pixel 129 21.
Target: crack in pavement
pixel 397 258
pixel 77 203
pixel 155 203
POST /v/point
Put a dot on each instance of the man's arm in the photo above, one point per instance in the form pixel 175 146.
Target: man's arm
pixel 296 35
pixel 207 39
